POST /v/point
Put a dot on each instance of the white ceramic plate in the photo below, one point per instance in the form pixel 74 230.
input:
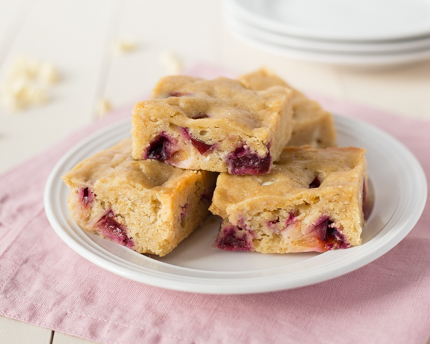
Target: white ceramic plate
pixel 348 20
pixel 400 190
pixel 235 22
pixel 331 57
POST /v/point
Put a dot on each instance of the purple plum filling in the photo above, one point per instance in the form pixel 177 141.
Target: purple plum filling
pixel 233 238
pixel 207 196
pixel 86 196
pixel 179 94
pixel 326 231
pixel 291 219
pixel 272 224
pixel 201 146
pixel 113 230
pixel 242 161
pixel 315 183
pixel 200 115
pixel 184 210
pixel 161 148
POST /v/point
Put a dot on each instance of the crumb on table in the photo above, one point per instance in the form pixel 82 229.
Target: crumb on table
pixel 26 83
pixel 171 62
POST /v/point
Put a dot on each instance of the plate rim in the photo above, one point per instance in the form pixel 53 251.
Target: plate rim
pixel 235 23
pixel 211 286
pixel 332 57
pixel 272 25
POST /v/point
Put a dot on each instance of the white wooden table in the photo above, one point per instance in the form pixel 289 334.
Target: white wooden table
pixel 77 37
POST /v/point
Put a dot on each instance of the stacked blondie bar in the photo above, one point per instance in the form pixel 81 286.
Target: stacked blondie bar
pixel 254 151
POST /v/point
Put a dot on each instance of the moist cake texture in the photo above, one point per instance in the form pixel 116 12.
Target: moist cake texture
pixel 313 200
pixel 147 206
pixel 213 125
pixel 311 124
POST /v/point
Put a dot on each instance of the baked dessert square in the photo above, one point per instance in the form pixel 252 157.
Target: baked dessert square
pixel 313 200
pixel 147 206
pixel 214 125
pixel 312 125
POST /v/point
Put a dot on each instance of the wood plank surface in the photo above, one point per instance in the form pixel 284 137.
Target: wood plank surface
pixel 59 33
pixel 17 332
pixel 156 32
pixel 61 338
pixel 79 38
pixel 403 90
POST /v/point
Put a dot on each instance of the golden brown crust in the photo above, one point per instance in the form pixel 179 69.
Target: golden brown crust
pixel 312 125
pixel 220 113
pixel 253 201
pixel 157 205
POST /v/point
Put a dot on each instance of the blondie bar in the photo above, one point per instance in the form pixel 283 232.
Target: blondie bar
pixel 311 124
pixel 147 206
pixel 313 200
pixel 213 125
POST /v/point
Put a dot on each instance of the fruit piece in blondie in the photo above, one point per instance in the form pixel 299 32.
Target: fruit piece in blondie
pixel 213 125
pixel 313 200
pixel 147 206
pixel 311 124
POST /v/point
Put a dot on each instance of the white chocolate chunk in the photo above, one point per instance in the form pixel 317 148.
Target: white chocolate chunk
pixel 171 62
pixel 103 107
pixel 124 45
pixel 24 83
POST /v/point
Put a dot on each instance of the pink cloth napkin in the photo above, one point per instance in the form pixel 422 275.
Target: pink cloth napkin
pixel 44 282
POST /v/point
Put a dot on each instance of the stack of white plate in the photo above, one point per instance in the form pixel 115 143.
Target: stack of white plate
pixel 347 32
